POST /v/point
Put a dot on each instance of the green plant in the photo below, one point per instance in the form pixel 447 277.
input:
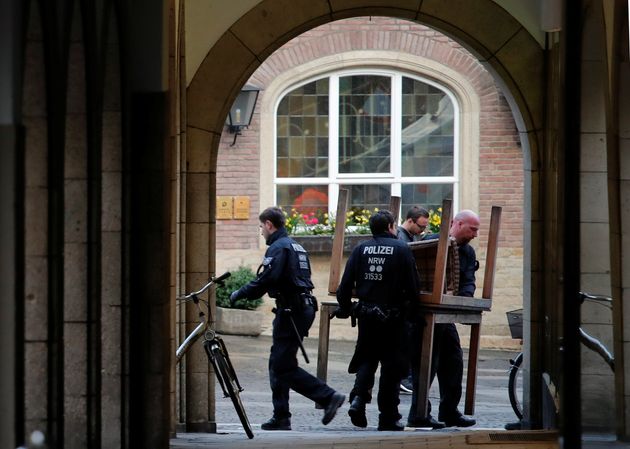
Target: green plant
pixel 435 220
pixel 323 223
pixel 241 276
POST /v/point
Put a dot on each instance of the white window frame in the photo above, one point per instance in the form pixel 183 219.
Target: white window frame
pixel 394 178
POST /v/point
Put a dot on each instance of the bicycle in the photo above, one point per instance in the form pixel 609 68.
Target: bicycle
pixel 515 373
pixel 217 353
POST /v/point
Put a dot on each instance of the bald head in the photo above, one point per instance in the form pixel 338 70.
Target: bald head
pixel 465 226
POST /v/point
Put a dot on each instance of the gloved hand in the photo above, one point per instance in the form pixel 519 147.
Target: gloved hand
pixel 342 312
pixel 234 297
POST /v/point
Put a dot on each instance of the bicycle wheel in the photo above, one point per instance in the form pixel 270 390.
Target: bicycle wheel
pixel 514 383
pixel 224 370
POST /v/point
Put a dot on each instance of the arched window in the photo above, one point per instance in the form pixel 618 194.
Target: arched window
pixel 375 133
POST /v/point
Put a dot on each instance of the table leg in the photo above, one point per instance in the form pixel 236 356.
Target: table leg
pixel 424 374
pixel 471 378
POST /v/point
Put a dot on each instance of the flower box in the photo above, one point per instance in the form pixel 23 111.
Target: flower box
pixel 322 244
pixel 239 321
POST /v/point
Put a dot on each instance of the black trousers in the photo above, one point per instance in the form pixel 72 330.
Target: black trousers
pixel 382 343
pixel 284 372
pixel 447 362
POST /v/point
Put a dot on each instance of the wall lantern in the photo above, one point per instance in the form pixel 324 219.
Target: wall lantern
pixel 242 110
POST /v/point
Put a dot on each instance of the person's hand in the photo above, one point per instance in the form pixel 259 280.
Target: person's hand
pixel 342 312
pixel 233 297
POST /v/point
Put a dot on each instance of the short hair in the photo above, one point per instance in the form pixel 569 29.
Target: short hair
pixel 380 221
pixel 274 215
pixel 465 215
pixel 416 212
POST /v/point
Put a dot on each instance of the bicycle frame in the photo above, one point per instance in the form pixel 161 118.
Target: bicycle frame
pixel 591 342
pixel 192 338
pixel 202 327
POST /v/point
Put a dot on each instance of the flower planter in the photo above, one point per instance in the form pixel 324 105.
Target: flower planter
pixel 322 244
pixel 239 321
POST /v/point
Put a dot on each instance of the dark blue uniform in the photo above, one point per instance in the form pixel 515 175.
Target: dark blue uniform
pixel 382 272
pixel 286 276
pixel 447 359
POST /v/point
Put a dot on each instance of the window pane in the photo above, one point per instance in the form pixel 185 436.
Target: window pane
pixel 429 196
pixel 368 196
pixel 305 200
pixel 303 118
pixel 427 130
pixel 364 124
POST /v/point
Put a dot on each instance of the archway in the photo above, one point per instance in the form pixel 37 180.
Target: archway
pixel 501 43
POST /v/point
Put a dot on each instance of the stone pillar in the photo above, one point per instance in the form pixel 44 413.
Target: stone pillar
pixel 147 225
pixel 12 285
pixel 11 227
pixel 595 220
pixel 620 240
pixel 199 389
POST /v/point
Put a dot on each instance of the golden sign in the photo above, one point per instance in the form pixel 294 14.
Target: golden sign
pixel 241 207
pixel 225 207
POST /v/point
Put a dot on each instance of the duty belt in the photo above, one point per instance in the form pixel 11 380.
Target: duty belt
pixel 297 300
pixel 381 312
pixel 307 299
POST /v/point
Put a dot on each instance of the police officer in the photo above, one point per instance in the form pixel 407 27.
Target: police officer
pixel 286 276
pixel 383 273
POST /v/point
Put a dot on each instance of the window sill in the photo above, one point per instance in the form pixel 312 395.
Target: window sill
pixel 322 244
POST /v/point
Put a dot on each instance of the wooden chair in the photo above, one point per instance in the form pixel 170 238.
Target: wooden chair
pixel 438 264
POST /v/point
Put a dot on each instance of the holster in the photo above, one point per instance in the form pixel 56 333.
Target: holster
pixel 376 312
pixel 296 301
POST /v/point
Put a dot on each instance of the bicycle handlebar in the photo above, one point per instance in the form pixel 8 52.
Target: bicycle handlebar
pixel 601 299
pixel 225 275
pixel 213 280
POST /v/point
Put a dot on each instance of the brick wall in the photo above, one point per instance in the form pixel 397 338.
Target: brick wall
pixel 238 173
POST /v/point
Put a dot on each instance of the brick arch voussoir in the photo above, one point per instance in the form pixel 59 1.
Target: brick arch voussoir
pixel 467 26
pixel 437 49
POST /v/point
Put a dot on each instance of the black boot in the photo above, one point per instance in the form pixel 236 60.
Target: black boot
pixel 395 426
pixel 330 411
pixel 428 422
pixel 457 420
pixel 277 424
pixel 357 412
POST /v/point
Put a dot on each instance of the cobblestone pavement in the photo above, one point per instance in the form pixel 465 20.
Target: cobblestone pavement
pixel 250 356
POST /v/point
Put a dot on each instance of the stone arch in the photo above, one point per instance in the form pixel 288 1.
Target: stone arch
pixel 500 42
pixel 488 31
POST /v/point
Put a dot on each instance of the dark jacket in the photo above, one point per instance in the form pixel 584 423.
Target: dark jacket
pixel 286 270
pixel 382 271
pixel 468 264
pixel 404 235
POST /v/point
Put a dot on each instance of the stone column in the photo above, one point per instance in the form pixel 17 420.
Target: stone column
pixel 199 383
pixel 11 227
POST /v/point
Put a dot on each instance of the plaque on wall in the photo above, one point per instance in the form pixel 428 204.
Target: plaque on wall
pixel 225 207
pixel 241 207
